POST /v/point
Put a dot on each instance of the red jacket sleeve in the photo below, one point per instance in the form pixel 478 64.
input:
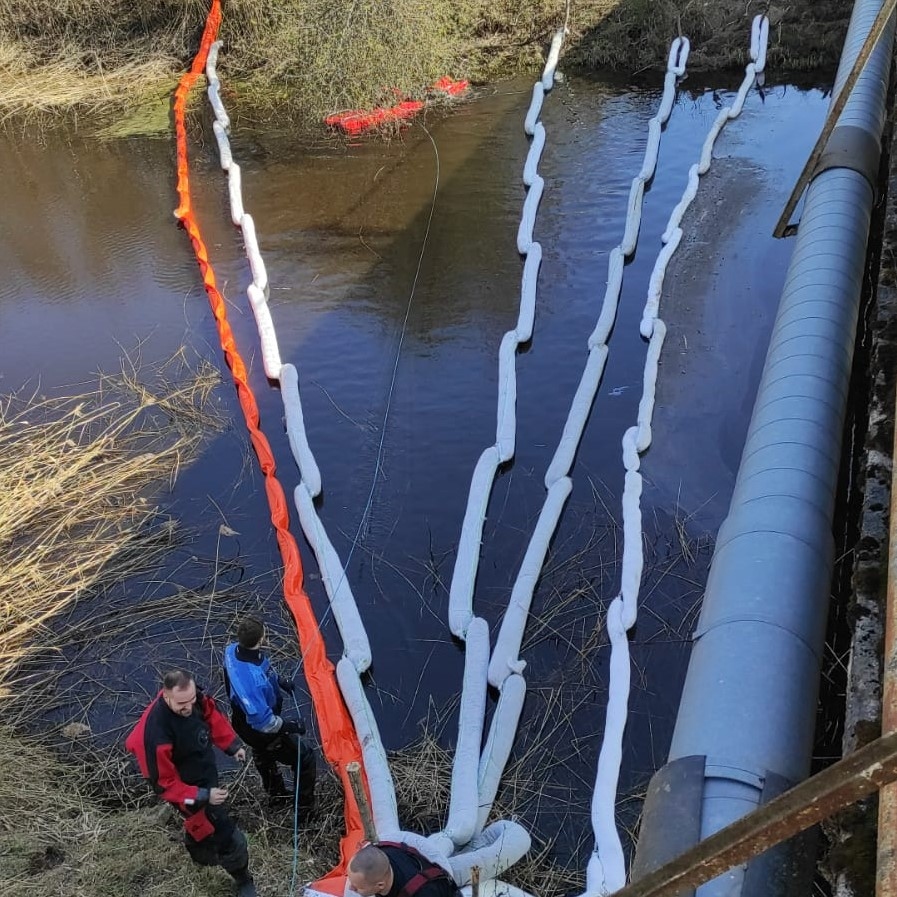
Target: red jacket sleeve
pixel 154 754
pixel 223 735
pixel 168 784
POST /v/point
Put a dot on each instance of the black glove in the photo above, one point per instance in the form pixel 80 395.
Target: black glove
pixel 286 685
pixel 293 727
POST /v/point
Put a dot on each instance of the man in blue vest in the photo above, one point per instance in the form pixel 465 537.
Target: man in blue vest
pixel 254 689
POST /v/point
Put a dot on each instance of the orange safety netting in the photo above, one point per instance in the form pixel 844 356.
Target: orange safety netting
pixel 338 737
pixel 451 87
pixel 357 121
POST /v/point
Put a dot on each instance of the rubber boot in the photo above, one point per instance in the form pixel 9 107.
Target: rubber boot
pixel 307 812
pixel 245 883
pixel 277 789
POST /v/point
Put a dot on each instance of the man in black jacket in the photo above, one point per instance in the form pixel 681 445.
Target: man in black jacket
pixel 390 869
pixel 173 743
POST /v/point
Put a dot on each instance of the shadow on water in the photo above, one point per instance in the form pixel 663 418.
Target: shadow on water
pixel 93 263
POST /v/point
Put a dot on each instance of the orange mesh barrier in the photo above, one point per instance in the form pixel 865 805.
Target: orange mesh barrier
pixel 449 86
pixel 358 121
pixel 338 736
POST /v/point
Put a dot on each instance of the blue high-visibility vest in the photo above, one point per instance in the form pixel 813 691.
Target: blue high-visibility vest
pixel 254 687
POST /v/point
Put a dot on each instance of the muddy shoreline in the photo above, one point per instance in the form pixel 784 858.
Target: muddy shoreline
pixel 850 865
pixel 634 36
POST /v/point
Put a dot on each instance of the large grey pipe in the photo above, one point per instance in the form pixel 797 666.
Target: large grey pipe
pixel 746 720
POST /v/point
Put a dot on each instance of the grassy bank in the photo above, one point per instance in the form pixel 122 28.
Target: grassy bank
pixel 636 34
pixel 312 57
pixel 309 56
pixel 60 835
pixel 56 837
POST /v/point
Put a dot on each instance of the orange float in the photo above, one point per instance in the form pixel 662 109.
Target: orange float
pixel 358 121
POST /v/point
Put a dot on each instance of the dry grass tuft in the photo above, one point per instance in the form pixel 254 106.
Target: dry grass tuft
pixel 302 57
pixel 81 843
pixel 56 840
pixel 74 512
pixel 108 836
pixel 62 83
pixel 89 56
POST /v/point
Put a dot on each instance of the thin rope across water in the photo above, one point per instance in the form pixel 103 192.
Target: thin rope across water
pixel 392 383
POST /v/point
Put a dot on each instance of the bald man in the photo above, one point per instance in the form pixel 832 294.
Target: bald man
pixel 390 869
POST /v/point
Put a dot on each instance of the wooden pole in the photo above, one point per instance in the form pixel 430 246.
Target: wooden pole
pixel 814 799
pixel 475 881
pixel 875 33
pixel 353 770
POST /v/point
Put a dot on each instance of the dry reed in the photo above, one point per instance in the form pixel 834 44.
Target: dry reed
pixel 306 57
pixel 75 514
pixel 62 83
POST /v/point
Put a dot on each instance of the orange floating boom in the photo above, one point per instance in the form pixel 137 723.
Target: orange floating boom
pixel 338 738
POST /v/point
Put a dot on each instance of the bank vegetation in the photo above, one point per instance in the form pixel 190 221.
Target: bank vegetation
pixel 307 58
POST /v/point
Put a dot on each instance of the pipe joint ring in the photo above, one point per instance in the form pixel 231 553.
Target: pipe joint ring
pixel 854 148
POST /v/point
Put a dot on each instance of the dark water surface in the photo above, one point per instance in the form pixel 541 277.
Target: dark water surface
pixel 93 263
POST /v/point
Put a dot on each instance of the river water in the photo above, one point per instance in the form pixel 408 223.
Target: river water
pixel 94 264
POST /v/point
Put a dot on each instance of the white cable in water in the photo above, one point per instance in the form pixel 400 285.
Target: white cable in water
pixel 606 872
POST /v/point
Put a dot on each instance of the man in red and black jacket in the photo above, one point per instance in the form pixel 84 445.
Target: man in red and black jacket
pixel 173 744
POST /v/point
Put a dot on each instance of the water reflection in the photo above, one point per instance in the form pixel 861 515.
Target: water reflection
pixel 93 262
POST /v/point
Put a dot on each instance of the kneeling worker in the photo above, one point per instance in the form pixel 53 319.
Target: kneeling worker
pixel 173 745
pixel 254 690
pixel 390 869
